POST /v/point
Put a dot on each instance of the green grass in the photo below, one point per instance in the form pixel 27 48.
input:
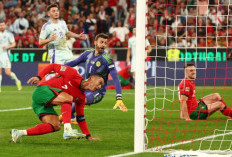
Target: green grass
pixel 113 127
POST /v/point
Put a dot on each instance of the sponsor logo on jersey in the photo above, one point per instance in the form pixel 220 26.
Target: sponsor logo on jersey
pixel 98 64
pixel 187 89
pixel 62 68
pixel 111 66
pixel 65 86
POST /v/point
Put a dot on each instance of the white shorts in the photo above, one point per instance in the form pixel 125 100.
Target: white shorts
pixel 5 60
pixel 132 66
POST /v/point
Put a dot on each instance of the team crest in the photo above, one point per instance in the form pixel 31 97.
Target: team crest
pixel 98 64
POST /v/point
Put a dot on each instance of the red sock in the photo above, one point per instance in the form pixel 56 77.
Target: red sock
pixel 40 129
pixel 227 111
pixel 66 110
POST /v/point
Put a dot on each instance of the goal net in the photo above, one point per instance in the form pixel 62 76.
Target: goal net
pixel 182 31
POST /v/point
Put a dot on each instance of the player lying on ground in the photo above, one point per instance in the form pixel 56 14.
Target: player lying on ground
pixel 97 61
pixel 66 87
pixel 192 109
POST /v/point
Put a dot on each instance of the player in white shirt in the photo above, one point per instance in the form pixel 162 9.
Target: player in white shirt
pixel 54 34
pixel 7 42
pixel 131 51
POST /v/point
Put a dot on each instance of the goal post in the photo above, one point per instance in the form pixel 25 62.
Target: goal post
pixel 157 124
pixel 140 76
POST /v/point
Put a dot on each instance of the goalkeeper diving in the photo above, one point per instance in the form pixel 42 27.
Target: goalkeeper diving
pixel 97 61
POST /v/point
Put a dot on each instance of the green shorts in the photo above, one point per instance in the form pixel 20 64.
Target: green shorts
pixel 200 112
pixel 123 81
pixel 41 98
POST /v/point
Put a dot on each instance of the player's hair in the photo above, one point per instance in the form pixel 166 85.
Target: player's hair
pixel 98 75
pixel 101 35
pixel 52 6
pixel 188 65
pixel 2 21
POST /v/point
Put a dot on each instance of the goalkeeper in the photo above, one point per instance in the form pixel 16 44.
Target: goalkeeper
pixel 97 61
pixel 193 109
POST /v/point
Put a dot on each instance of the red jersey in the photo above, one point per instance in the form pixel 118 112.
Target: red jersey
pixel 69 81
pixel 187 88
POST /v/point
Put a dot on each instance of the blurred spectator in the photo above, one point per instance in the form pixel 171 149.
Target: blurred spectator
pixel 202 7
pixel 112 41
pixel 109 12
pixel 21 24
pixel 31 42
pixel 2 13
pixel 120 31
pixel 201 43
pixel 11 3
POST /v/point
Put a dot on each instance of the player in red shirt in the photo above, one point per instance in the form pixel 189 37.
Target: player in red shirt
pixel 66 87
pixel 193 109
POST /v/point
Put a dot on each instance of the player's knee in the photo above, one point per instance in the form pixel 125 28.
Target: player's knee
pixel 56 126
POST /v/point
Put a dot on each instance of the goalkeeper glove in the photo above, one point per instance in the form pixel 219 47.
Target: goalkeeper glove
pixel 120 104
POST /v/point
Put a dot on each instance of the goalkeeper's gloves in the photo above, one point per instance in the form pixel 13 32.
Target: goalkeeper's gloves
pixel 119 103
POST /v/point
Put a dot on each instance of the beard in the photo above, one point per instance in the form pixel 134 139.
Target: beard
pixel 99 49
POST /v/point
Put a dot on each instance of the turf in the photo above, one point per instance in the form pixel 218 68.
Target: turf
pixel 113 127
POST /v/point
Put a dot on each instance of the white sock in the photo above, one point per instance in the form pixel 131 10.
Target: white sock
pixel 0 80
pixel 67 127
pixel 14 77
pixel 23 132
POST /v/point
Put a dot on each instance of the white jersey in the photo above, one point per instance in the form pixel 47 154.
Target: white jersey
pixel 132 46
pixel 58 49
pixel 6 39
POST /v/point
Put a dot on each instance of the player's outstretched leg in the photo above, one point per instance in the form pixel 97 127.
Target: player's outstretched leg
pixel 15 136
pixel 14 77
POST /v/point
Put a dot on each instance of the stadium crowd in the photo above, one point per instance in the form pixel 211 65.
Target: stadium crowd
pixel 181 23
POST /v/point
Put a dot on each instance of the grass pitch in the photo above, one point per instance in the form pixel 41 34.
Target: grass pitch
pixel 113 127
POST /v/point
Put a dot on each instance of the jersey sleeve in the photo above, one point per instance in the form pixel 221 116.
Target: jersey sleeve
pixel 62 70
pixel 43 34
pixel 117 83
pixel 11 38
pixel 65 27
pixel 184 88
pixel 81 59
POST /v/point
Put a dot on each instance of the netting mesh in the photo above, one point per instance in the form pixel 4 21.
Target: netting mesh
pixel 198 31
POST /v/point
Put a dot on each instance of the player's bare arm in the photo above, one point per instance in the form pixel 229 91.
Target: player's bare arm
pixel 33 80
pixel 12 45
pixel 45 41
pixel 81 36
pixel 128 55
pixel 149 49
pixel 183 108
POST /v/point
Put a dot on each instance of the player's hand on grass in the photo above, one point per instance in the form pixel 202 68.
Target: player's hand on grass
pixel 121 105
pixel 33 80
pixel 93 139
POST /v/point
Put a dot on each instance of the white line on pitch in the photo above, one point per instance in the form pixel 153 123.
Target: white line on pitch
pixel 16 109
pixel 28 108
pixel 188 141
